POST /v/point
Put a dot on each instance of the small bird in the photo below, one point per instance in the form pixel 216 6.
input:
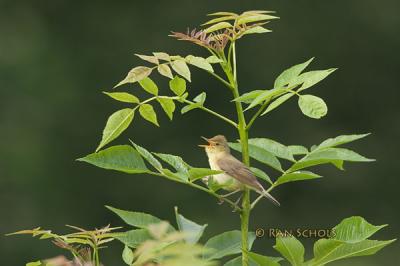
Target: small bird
pixel 237 175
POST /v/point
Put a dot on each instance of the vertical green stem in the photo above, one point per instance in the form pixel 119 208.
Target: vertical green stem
pixel 243 134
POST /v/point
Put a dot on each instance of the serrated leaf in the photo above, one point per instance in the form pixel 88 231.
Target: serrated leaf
pixel 248 97
pixel 291 249
pixel 216 20
pixel 199 62
pixel 117 123
pixel 228 243
pixel 254 18
pixel 127 255
pixel 257 29
pixel 122 97
pixel 181 68
pixel 309 79
pixel 177 85
pixel 218 26
pixel 148 156
pixel 328 250
pixel 198 173
pixel 136 74
pixel 290 74
pixel 312 106
pixel 273 147
pixel 267 94
pixel 148 113
pixel 133 238
pixel 339 140
pixel 194 231
pixel 120 158
pixel 148 85
pixel 260 155
pixel 162 56
pixel 355 229
pixel 136 219
pixel 177 163
pixel 260 174
pixel 214 60
pixel 296 176
pixel 168 106
pixel 165 70
pixel 148 58
pixel 278 102
pixel 297 149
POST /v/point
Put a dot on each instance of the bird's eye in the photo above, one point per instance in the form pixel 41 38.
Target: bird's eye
pixel 217 144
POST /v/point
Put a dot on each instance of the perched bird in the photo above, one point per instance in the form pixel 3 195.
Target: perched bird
pixel 236 174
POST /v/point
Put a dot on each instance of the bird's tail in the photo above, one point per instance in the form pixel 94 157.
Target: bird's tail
pixel 268 196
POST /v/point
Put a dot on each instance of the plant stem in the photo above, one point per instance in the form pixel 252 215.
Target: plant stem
pixel 243 134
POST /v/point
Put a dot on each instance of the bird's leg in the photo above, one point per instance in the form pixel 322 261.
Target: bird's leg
pixel 237 202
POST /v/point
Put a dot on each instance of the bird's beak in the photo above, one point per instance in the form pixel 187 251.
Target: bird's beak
pixel 203 145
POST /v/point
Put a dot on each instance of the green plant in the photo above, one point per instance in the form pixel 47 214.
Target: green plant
pixel 219 38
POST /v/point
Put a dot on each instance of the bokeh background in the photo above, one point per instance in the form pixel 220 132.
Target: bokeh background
pixel 57 56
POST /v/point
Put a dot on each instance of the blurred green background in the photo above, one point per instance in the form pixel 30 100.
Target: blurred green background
pixel 57 56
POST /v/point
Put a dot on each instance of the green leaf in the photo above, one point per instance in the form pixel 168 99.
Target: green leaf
pixel 136 74
pixel 199 62
pixel 355 229
pixel 147 112
pixel 181 68
pixel 214 60
pixel 133 238
pixel 149 86
pixel 297 149
pixel 136 219
pixel 222 13
pixel 218 26
pixel 296 176
pixel 260 155
pixel 199 101
pixel 194 230
pixel 117 123
pixel 148 156
pixel 262 260
pixel 257 29
pixel 278 102
pixel 201 98
pixel 260 174
pixel 225 244
pixel 248 97
pixel 291 74
pixel 123 97
pixel 328 250
pixel 274 147
pixel 328 155
pixel 168 106
pixel 291 249
pixel 148 58
pixel 339 140
pixel 165 70
pixel 127 255
pixel 162 56
pixel 215 20
pixel 312 106
pixel 266 95
pixel 198 173
pixel 311 78
pixel 178 85
pixel 254 18
pixel 176 162
pixel 120 158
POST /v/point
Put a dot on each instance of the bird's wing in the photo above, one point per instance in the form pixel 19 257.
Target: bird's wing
pixel 239 171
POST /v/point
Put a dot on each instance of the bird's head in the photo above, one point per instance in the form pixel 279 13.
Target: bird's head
pixel 216 145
